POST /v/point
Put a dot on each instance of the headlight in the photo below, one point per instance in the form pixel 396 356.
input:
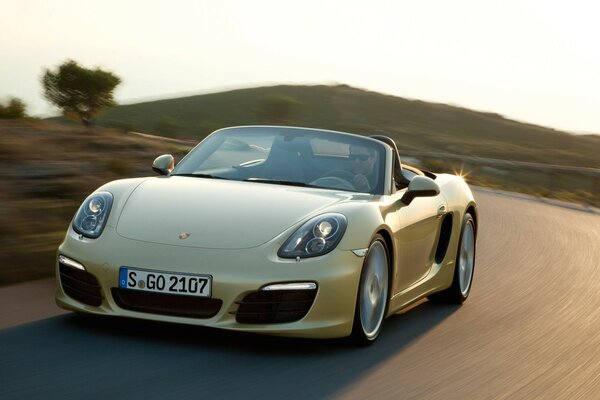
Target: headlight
pixel 316 237
pixel 92 215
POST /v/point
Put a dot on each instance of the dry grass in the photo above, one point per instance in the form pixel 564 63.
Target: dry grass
pixel 46 170
pixel 566 186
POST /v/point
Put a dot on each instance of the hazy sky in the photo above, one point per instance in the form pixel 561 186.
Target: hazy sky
pixel 534 61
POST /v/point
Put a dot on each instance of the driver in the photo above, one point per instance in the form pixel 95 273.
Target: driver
pixel 362 161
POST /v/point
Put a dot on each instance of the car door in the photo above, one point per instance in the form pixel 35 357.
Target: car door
pixel 416 239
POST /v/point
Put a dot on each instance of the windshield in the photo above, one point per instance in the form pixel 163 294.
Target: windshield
pixel 289 156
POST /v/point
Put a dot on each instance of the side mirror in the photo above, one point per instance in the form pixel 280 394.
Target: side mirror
pixel 163 165
pixel 420 186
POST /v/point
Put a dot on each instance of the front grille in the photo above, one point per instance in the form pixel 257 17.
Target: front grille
pixel 277 306
pixel 166 304
pixel 80 285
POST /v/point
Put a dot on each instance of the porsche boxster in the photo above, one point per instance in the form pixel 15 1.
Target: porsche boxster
pixel 276 230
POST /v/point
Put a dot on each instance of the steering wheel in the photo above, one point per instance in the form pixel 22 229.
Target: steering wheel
pixel 338 178
pixel 341 173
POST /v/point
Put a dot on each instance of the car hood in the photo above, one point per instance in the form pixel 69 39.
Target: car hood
pixel 211 213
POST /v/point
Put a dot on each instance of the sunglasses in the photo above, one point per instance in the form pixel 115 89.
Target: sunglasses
pixel 360 157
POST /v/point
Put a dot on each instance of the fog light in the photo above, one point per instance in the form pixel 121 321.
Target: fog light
pixel 71 263
pixel 291 286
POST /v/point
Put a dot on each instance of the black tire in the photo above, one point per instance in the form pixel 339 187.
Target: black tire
pixel 455 294
pixel 375 274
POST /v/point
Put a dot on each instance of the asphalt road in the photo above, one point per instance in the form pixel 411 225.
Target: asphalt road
pixel 531 329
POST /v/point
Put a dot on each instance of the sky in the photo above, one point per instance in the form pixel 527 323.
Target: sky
pixel 531 60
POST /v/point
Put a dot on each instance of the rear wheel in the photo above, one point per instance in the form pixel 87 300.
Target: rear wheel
pixel 463 267
pixel 372 297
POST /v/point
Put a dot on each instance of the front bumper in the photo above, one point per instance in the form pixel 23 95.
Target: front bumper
pixel 236 273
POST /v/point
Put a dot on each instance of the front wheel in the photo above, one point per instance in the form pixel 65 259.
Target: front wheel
pixel 463 267
pixel 372 297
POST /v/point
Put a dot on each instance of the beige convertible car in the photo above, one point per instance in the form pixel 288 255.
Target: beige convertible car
pixel 276 230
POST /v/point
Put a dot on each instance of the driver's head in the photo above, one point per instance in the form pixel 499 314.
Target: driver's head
pixel 362 159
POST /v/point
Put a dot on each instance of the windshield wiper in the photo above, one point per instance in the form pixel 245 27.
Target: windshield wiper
pixel 201 176
pixel 280 182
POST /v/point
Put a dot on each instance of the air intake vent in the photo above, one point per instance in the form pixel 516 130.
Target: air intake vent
pixel 444 239
pixel 277 306
pixel 80 285
pixel 166 304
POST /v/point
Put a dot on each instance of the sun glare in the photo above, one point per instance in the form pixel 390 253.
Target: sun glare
pixel 462 172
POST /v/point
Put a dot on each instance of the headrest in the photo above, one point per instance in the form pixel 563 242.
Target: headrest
pixel 398 175
pixel 390 142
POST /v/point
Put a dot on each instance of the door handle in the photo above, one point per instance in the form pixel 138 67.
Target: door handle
pixel 441 210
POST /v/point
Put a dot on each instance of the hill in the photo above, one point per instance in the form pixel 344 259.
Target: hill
pixel 415 125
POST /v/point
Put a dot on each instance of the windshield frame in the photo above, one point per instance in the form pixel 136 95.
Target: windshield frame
pixel 189 165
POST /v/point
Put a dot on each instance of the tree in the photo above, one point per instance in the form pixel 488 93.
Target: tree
pixel 14 110
pixel 78 91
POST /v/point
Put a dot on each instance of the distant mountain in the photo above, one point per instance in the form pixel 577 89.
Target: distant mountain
pixel 415 125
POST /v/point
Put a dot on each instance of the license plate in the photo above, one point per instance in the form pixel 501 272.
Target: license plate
pixel 165 282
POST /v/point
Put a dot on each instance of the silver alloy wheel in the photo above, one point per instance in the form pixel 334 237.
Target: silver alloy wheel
pixel 373 290
pixel 467 258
